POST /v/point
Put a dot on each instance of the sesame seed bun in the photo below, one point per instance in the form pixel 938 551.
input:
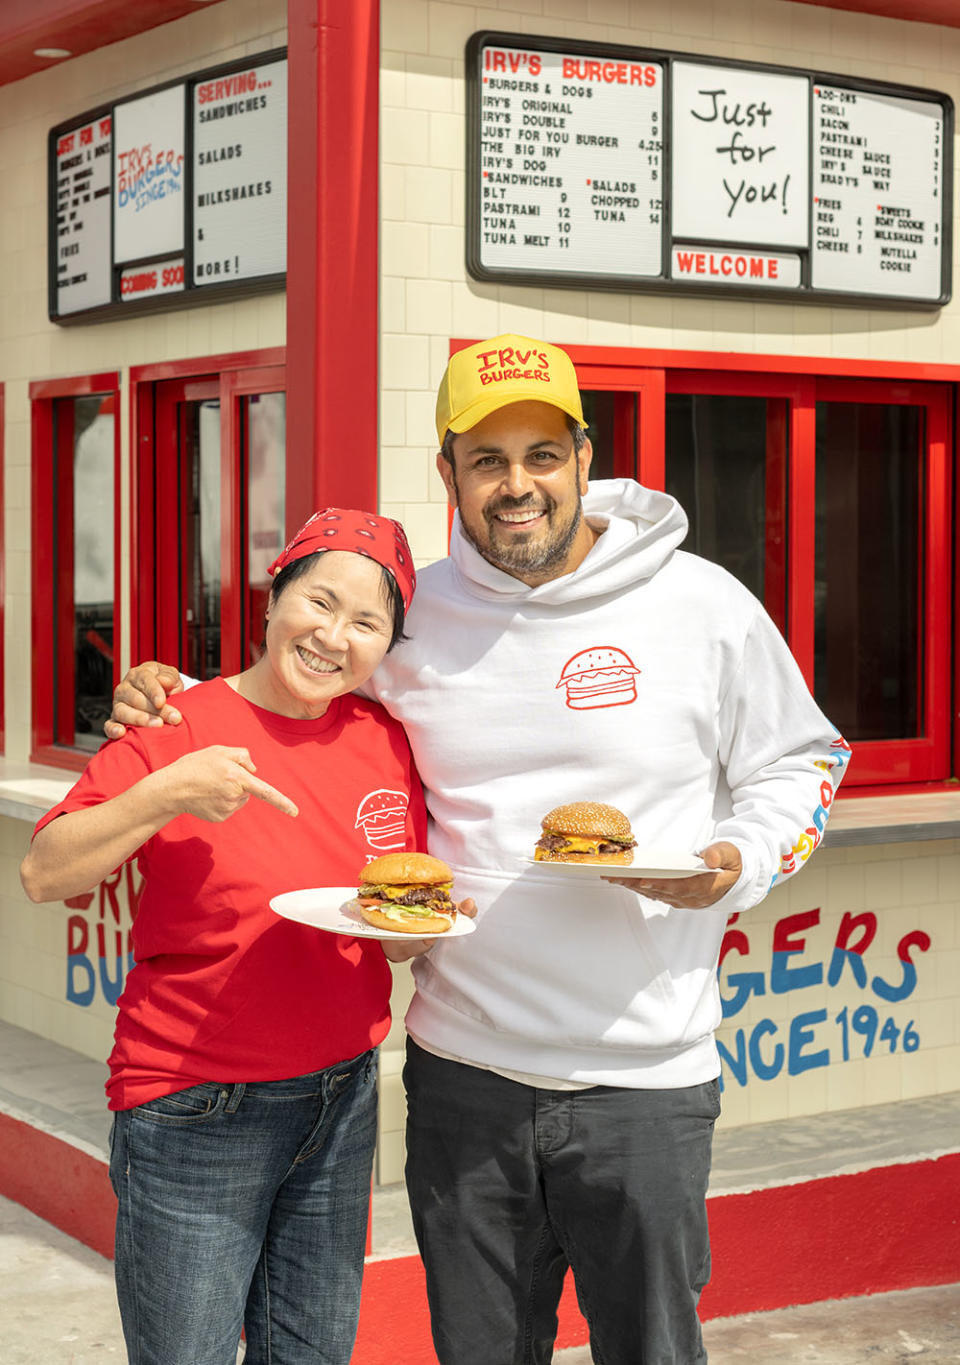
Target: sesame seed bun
pixel 577 833
pixel 406 869
pixel 588 820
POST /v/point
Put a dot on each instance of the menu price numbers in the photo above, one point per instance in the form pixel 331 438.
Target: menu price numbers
pixel 563 222
pixel 936 164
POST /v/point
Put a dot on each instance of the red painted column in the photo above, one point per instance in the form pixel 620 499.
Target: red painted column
pixel 332 237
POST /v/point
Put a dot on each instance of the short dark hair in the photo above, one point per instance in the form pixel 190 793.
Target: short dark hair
pixel 388 585
pixel 573 426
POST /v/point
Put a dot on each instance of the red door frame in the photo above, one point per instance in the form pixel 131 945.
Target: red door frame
pixel 53 715
pixel 230 377
pixel 235 385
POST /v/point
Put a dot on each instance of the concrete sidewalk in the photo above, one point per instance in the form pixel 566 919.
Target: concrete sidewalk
pixel 57 1307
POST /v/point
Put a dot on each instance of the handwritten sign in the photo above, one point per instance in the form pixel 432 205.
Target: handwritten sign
pixel 740 166
pixel 148 175
pixel 823 966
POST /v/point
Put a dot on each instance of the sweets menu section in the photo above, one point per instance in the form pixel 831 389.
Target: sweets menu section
pixel 571 161
pixel 624 169
pixel 175 194
pixel 878 193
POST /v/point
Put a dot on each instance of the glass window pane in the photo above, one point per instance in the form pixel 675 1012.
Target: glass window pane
pixel 726 466
pixel 200 434
pixel 867 592
pixel 612 427
pixel 264 418
pixel 84 587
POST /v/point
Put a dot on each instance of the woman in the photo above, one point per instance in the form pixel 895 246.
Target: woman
pixel 243 1074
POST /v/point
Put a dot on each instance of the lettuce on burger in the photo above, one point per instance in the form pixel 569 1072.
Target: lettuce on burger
pixel 408 893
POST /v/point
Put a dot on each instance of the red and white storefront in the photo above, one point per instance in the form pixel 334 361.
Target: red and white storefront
pixel 152 464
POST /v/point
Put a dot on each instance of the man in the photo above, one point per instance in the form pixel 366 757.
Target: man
pixel 562 1074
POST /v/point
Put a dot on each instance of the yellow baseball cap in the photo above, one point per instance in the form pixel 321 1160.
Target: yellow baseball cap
pixel 506 369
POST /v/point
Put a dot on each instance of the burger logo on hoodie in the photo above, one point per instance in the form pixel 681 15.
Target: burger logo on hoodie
pixel 601 676
pixel 382 816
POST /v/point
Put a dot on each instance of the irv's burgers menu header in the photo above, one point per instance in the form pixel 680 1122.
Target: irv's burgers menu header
pixel 177 194
pixel 594 166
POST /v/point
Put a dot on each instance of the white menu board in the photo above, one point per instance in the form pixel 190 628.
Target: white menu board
pixel 148 175
pixel 240 175
pixel 83 217
pixel 570 173
pixel 877 187
pixel 740 155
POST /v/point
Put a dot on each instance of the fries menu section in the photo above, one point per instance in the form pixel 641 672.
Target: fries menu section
pixel 571 163
pixel 619 168
pixel 878 193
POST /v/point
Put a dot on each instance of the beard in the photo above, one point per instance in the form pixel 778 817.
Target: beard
pixel 539 552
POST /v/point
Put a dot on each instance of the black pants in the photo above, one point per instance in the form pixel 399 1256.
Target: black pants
pixel 509 1185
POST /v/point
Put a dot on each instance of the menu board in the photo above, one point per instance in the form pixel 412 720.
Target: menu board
pixel 81 230
pixel 148 175
pixel 240 175
pixel 877 185
pixel 571 163
pixel 594 165
pixel 740 164
pixel 177 193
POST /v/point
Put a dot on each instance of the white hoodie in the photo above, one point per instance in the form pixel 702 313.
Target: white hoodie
pixel 684 708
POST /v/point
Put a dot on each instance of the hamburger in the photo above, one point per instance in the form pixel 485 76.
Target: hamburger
pixel 408 893
pixel 585 832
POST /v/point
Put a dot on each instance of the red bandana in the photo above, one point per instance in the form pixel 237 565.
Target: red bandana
pixel 359 533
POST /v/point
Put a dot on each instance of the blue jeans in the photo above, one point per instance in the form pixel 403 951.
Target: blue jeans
pixel 245 1206
pixel 511 1185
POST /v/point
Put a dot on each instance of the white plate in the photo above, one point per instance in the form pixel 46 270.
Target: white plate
pixel 329 908
pixel 654 864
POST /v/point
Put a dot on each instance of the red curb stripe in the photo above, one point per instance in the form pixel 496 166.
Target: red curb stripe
pixel 892 1227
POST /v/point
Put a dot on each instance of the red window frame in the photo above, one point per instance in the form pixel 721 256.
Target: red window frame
pixel 883 767
pixel 231 378
pixel 51 714
pixel 3 560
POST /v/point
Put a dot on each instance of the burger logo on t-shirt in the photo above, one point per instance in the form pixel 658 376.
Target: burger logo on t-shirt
pixel 382 816
pixel 601 676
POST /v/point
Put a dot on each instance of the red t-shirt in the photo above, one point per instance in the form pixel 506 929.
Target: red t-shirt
pixel 223 989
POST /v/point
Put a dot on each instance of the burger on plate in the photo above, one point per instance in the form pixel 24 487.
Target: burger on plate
pixel 585 832
pixel 408 893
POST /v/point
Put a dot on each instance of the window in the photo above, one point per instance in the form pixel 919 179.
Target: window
pixel 830 499
pixel 209 512
pixel 75 560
